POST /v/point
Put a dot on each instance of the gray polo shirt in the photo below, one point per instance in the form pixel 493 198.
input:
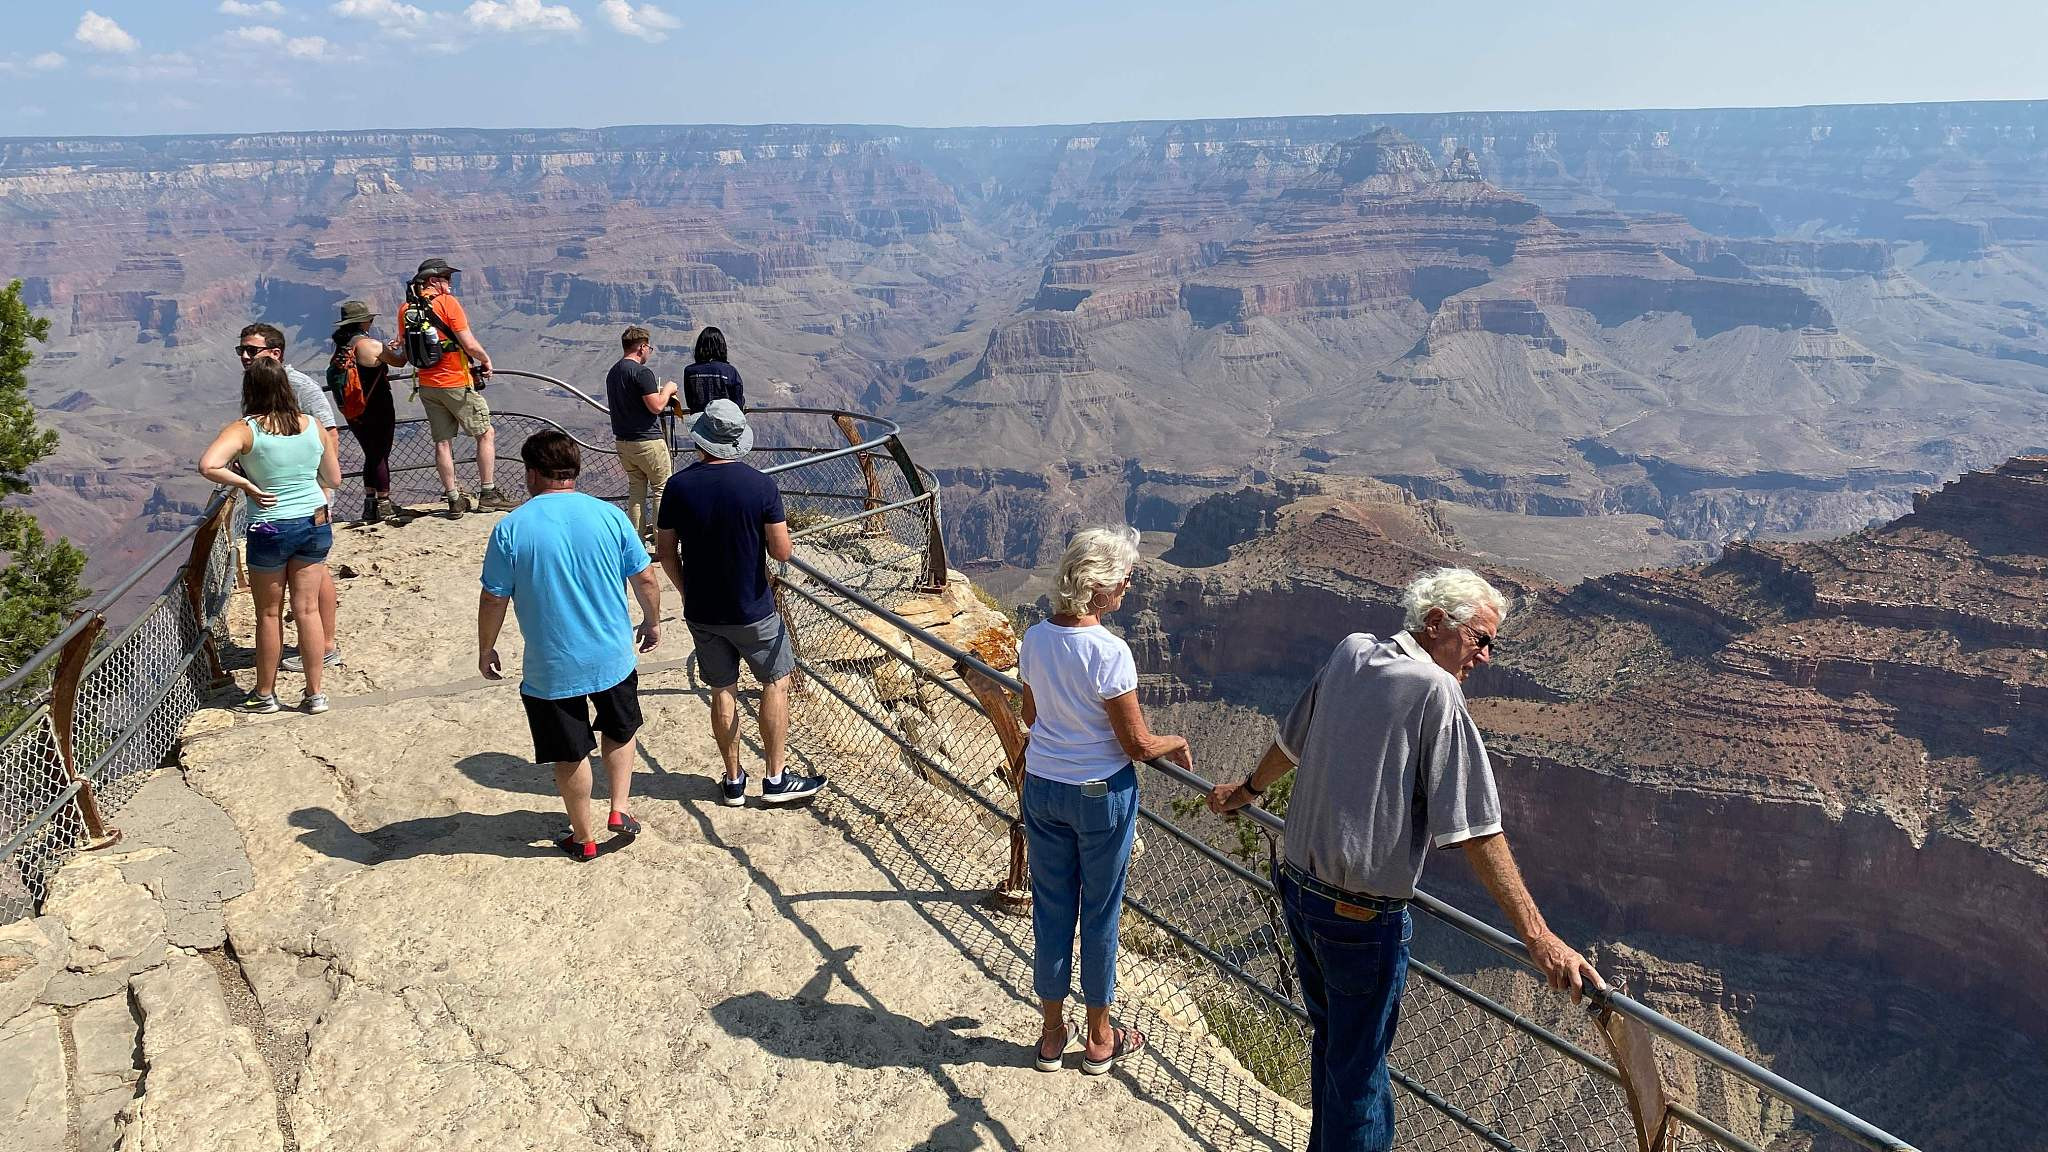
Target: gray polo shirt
pixel 1389 762
pixel 312 398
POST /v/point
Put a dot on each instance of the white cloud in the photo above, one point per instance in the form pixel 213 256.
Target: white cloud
pixel 103 35
pixel 46 62
pixel 522 16
pixel 158 69
pixel 307 47
pixel 258 34
pixel 381 11
pixel 259 8
pixel 646 21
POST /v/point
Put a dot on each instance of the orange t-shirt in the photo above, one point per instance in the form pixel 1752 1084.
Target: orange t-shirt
pixel 451 370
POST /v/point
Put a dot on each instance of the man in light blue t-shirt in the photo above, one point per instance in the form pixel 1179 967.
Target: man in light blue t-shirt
pixel 562 561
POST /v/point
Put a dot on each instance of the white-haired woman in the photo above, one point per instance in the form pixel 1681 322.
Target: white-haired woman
pixel 1081 790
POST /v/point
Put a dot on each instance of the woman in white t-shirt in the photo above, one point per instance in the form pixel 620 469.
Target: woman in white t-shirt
pixel 1081 790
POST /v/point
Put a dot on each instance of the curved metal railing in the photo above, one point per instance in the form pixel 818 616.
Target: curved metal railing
pixel 1489 1061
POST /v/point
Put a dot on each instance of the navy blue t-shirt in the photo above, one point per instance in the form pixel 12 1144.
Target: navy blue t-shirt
pixel 624 385
pixel 720 514
pixel 712 380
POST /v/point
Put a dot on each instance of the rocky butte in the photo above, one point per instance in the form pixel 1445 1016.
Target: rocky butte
pixel 1727 321
pixel 1800 790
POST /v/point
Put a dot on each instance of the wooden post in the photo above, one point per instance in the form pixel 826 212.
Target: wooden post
pixel 1636 1060
pixel 875 527
pixel 64 718
pixel 1015 892
pixel 196 567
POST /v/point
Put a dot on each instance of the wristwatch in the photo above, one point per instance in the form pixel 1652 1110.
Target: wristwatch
pixel 1247 786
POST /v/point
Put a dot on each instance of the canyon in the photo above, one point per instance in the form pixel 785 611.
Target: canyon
pixel 1800 769
pixel 1731 322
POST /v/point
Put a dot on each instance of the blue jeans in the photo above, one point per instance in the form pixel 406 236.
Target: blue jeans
pixel 1080 848
pixel 1352 960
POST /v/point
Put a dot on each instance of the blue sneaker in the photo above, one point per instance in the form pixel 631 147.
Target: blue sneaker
pixel 733 792
pixel 791 789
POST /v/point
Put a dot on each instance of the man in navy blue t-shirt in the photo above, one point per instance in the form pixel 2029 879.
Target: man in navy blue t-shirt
pixel 720 522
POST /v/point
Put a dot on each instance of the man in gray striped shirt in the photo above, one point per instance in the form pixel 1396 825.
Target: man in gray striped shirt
pixel 1390 765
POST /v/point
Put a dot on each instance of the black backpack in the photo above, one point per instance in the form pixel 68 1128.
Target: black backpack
pixel 427 337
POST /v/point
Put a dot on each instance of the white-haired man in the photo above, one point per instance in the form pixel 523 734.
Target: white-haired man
pixel 1390 764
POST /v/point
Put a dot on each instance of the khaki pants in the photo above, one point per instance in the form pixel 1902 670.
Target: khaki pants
pixel 647 470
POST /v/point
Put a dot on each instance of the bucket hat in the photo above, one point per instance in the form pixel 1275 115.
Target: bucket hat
pixel 434 266
pixel 354 312
pixel 722 430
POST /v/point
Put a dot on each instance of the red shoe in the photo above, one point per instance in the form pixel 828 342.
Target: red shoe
pixel 621 824
pixel 581 853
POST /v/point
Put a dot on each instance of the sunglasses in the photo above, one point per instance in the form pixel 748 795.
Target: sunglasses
pixel 1480 640
pixel 250 351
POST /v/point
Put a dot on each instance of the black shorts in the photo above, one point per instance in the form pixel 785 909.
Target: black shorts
pixel 563 730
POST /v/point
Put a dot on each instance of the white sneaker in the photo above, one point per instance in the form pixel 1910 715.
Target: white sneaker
pixel 297 663
pixel 315 703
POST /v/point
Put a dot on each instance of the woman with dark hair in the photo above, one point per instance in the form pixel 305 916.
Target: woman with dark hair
pixel 357 352
pixel 711 378
pixel 283 463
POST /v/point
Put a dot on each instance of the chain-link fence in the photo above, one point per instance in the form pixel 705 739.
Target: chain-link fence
pixel 92 714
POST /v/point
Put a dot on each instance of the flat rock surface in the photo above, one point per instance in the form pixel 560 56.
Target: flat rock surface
pixel 736 978
pixel 185 850
pixel 205 1084
pixel 32 1084
pixel 106 1036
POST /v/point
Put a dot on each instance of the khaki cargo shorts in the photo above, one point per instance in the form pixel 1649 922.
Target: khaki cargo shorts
pixel 453 409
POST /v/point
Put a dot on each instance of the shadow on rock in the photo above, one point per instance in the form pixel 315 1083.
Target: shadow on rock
pixel 508 773
pixel 513 835
pixel 806 1028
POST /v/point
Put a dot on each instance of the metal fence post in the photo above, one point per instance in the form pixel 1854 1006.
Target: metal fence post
pixel 1015 892
pixel 198 566
pixel 64 719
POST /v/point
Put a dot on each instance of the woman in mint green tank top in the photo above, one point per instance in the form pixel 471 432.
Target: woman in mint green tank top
pixel 276 456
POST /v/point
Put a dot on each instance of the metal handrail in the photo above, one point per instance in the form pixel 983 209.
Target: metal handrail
pixel 1802 1100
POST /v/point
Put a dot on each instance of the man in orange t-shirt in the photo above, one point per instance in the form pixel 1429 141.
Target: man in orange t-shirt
pixel 452 396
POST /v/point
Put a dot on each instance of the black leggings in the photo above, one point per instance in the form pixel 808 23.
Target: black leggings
pixel 373 431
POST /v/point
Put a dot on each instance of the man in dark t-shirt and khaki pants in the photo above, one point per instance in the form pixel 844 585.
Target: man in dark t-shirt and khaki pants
pixel 720 522
pixel 636 402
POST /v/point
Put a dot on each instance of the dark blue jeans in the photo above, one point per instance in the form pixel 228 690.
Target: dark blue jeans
pixel 1352 960
pixel 1080 849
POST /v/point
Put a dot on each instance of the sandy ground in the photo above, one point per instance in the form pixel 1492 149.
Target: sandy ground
pixel 769 979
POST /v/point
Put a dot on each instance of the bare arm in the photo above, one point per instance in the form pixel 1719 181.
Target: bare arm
pixel 371 352
pixel 330 458
pixel 475 350
pixel 233 441
pixel 1230 797
pixel 659 398
pixel 671 561
pixel 1495 865
pixel 647 590
pixel 777 539
pixel 1138 740
pixel 490 620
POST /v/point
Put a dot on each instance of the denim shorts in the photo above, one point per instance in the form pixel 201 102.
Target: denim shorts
pixel 275 544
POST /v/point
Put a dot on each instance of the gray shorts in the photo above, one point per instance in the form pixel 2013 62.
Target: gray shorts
pixel 764 645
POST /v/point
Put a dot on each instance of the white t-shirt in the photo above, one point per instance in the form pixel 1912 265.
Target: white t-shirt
pixel 1071 671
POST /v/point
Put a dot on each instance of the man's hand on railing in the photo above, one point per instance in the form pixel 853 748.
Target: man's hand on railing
pixel 1227 798
pixel 1563 966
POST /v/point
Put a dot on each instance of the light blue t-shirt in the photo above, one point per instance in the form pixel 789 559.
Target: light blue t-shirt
pixel 563 559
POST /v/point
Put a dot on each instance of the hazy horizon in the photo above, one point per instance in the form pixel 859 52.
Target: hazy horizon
pixel 130 68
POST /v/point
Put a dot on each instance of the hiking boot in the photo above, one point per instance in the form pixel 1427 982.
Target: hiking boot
pixel 492 500
pixel 371 513
pixel 458 503
pixel 733 793
pixel 384 509
pixel 297 663
pixel 314 703
pixel 259 703
pixel 790 788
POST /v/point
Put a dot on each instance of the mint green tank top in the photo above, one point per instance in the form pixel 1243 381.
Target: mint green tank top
pixel 287 467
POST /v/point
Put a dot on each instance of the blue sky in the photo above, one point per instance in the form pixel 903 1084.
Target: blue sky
pixel 150 66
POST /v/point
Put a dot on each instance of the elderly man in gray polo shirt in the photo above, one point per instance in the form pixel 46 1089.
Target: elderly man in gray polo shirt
pixel 1390 766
